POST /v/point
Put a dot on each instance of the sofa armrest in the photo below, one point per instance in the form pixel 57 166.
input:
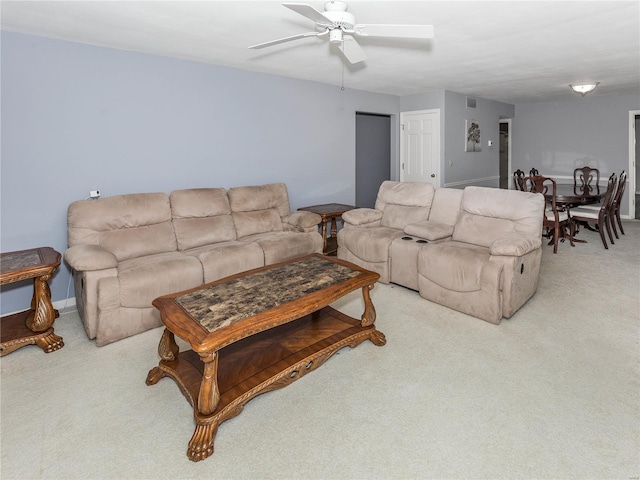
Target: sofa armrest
pixel 89 257
pixel 429 230
pixel 301 221
pixel 362 217
pixel 515 245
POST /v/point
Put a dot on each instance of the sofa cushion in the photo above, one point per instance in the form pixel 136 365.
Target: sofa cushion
pixel 258 221
pixel 128 226
pixel 488 213
pixel 201 216
pixel 145 278
pixel 403 203
pixel 258 209
pixel 454 266
pixel 369 244
pixel 429 230
pixel 446 205
pixel 281 246
pixel 260 197
pixel 222 259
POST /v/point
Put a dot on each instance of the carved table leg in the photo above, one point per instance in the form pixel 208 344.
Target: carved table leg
pixel 369 315
pixel 50 342
pixel 209 394
pixel 43 314
pixel 201 443
pixel 168 350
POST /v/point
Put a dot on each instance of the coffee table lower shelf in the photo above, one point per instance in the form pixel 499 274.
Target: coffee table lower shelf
pixel 266 361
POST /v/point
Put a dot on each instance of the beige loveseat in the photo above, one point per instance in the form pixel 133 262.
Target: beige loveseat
pixel 126 250
pixel 476 250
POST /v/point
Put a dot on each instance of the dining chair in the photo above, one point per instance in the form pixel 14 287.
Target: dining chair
pixel 586 178
pixel 533 172
pixel 602 217
pixel 518 179
pixel 556 219
pixel 617 200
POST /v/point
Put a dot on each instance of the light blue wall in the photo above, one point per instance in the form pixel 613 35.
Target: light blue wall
pixel 557 137
pixel 77 118
pixel 483 167
pixel 469 168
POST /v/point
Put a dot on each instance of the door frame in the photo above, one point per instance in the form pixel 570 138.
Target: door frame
pixel 509 169
pixel 631 176
pixel 438 172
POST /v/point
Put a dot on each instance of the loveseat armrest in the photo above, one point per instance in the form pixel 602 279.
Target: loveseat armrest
pixel 362 217
pixel 515 245
pixel 301 221
pixel 429 230
pixel 90 257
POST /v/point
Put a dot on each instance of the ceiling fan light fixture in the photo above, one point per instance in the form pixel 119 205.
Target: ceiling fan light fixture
pixel 584 88
pixel 335 35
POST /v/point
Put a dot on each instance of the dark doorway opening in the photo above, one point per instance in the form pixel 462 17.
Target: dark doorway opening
pixel 373 156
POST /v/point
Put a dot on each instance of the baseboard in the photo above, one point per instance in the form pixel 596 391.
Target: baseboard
pixel 65 304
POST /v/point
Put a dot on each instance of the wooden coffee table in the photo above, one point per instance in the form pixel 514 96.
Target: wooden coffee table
pixel 329 211
pixel 33 326
pixel 257 331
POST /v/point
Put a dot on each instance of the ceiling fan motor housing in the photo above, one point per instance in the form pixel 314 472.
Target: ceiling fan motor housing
pixel 337 13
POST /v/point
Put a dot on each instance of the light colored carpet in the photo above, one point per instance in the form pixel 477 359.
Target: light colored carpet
pixel 553 392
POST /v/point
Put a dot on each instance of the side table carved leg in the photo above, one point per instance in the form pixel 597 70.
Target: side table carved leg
pixel 43 314
pixel 50 342
pixel 324 234
pixel 168 350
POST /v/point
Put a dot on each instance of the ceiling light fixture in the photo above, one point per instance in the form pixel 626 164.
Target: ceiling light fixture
pixel 584 88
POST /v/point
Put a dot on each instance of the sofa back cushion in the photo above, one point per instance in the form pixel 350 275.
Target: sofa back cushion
pixel 446 205
pixel 403 203
pixel 201 216
pixel 128 226
pixel 258 209
pixel 488 213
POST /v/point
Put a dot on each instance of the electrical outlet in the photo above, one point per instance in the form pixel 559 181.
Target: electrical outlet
pixel 94 194
pixel 451 163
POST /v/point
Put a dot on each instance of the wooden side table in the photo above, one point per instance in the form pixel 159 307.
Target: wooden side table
pixel 328 211
pixel 33 326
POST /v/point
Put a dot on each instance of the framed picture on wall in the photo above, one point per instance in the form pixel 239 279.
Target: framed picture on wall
pixel 472 137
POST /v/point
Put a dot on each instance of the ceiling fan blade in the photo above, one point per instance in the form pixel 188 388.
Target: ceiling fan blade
pixel 352 50
pixel 288 39
pixel 309 12
pixel 397 31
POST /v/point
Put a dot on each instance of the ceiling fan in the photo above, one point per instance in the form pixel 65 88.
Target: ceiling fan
pixel 342 29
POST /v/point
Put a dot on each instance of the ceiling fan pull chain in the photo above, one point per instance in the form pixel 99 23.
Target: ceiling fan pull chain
pixel 342 85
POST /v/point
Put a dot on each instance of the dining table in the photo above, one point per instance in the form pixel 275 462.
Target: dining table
pixel 576 195
pixel 568 195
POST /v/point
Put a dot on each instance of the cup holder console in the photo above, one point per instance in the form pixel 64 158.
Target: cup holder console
pixel 419 240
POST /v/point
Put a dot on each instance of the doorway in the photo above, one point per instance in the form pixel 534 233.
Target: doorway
pixel 634 155
pixel 420 147
pixel 373 156
pixel 505 153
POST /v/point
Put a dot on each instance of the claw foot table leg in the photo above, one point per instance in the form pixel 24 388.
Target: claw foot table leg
pixel 201 443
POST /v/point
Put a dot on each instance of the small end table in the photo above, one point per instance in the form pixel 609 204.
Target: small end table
pixel 328 211
pixel 33 326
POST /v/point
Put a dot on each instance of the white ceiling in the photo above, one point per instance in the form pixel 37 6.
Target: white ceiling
pixel 510 51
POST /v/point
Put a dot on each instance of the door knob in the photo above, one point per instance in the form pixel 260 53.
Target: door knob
pixel 433 175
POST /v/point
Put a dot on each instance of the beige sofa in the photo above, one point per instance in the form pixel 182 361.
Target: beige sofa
pixel 126 250
pixel 476 250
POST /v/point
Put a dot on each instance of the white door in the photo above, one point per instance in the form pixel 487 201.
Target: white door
pixel 420 147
